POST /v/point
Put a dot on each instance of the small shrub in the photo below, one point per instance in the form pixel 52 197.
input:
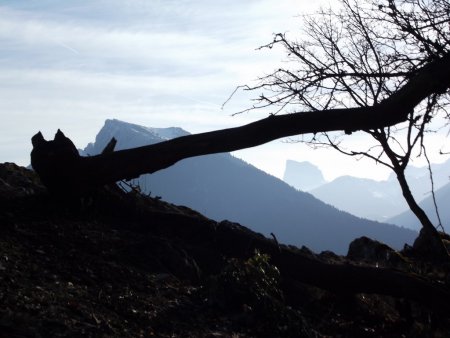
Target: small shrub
pixel 253 287
pixel 254 282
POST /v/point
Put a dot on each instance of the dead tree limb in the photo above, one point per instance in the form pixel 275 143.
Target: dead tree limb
pixel 59 166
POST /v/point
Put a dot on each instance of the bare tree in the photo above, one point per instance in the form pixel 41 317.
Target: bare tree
pixel 358 56
pixel 379 67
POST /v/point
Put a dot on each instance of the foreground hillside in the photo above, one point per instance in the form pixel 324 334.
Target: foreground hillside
pixel 118 264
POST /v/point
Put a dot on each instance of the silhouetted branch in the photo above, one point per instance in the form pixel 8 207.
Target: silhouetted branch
pixel 82 173
pixel 433 195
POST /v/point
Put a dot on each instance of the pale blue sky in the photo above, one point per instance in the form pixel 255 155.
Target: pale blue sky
pixel 72 64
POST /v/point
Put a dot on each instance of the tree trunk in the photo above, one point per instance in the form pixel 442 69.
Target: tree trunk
pixel 412 204
pixel 429 242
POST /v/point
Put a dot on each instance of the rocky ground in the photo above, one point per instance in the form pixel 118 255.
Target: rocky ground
pixel 116 264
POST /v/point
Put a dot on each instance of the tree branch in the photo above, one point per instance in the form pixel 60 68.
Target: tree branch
pixel 83 172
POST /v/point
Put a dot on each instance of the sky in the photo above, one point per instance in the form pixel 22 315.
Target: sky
pixel 73 64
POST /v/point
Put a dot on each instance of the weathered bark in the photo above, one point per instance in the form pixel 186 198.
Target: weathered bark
pixel 61 167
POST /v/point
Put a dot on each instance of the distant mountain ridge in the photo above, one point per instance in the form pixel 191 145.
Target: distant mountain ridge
pixel 379 200
pixel 130 135
pixel 303 176
pixel 363 197
pixel 223 187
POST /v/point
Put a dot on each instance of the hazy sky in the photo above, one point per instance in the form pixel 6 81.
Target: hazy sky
pixel 72 64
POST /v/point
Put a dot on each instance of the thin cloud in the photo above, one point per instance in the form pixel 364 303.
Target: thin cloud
pixel 72 64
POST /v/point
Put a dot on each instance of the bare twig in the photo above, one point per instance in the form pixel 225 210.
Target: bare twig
pixel 433 195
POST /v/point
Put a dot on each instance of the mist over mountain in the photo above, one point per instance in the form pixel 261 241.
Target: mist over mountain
pixel 224 187
pixel 363 197
pixel 376 200
pixel 304 176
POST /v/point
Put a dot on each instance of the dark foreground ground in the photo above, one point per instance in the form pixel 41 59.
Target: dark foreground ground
pixel 118 264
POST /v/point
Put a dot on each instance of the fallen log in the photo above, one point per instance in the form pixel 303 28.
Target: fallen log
pixel 209 242
pixel 58 164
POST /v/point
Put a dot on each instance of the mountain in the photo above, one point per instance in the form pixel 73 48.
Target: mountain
pixel 130 136
pixel 409 220
pixel 304 176
pixel 380 200
pixel 223 187
pixel 363 197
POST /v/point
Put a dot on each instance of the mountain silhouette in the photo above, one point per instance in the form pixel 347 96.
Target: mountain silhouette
pixel 376 200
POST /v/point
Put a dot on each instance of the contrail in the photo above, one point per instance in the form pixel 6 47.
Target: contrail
pixel 68 47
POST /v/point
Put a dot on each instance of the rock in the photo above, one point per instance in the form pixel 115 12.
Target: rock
pixel 372 251
pixel 428 246
pixel 17 182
